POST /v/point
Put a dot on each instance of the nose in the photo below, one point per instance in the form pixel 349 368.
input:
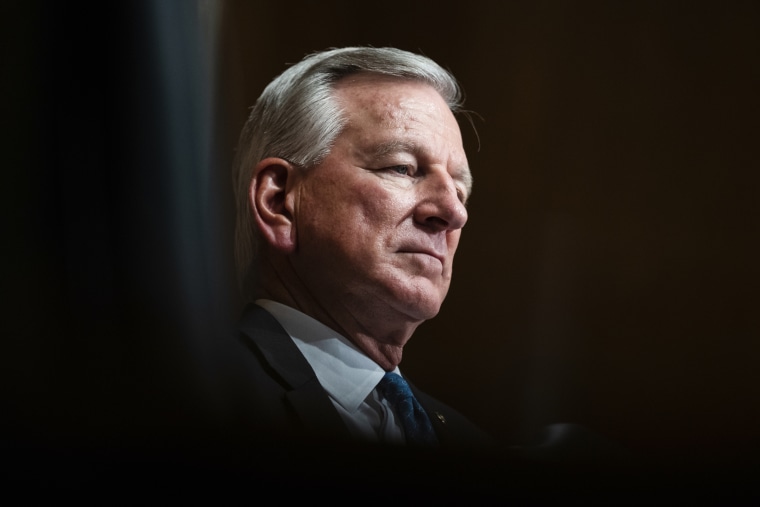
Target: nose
pixel 440 207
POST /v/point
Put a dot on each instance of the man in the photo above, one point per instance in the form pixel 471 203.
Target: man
pixel 351 183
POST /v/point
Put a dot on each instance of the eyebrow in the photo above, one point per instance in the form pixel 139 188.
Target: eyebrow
pixel 461 173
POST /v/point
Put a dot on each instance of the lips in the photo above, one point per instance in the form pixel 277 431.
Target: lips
pixel 425 251
pixel 433 245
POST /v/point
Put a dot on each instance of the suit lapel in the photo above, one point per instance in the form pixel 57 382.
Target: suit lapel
pixel 436 413
pixel 303 391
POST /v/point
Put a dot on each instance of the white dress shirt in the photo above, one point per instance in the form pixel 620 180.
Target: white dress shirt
pixel 344 371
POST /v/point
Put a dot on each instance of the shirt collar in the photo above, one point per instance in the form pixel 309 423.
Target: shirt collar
pixel 343 370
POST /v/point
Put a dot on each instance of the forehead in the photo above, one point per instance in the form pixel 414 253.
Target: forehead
pixel 387 97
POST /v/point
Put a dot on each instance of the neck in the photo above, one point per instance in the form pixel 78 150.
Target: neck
pixel 380 334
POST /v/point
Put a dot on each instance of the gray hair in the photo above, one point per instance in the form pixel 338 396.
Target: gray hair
pixel 297 119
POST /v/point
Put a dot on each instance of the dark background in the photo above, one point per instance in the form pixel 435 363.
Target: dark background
pixel 607 277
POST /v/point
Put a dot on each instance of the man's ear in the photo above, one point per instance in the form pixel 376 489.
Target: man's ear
pixel 271 202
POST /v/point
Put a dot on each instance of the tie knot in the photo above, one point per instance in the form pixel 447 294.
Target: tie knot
pixel 417 427
pixel 395 388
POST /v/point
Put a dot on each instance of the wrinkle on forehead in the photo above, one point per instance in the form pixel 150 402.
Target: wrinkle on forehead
pixel 369 92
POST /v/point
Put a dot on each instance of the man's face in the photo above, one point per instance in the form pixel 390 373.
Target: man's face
pixel 379 220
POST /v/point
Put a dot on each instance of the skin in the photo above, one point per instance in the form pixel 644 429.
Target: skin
pixel 365 241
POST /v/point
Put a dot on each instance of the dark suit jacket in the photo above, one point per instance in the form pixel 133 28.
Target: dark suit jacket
pixel 278 393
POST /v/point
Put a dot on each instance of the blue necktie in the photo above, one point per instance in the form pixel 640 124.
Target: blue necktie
pixel 417 427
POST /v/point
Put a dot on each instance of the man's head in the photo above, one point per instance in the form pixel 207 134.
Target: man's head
pixel 351 181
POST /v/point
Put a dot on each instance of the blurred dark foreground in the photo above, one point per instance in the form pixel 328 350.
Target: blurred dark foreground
pixel 574 466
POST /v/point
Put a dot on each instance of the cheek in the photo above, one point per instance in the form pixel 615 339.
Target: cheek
pixel 377 207
pixel 354 208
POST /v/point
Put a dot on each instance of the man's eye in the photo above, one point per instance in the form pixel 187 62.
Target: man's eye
pixel 400 169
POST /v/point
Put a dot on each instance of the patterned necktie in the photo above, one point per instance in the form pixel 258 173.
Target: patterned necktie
pixel 417 427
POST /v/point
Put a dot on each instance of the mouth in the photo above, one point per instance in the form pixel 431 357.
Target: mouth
pixel 429 253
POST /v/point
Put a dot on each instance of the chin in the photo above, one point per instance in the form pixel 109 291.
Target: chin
pixel 420 299
pixel 422 308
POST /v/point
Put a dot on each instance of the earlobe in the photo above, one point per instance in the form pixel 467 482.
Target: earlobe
pixel 271 202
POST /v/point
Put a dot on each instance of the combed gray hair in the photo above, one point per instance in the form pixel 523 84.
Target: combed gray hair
pixel 297 119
